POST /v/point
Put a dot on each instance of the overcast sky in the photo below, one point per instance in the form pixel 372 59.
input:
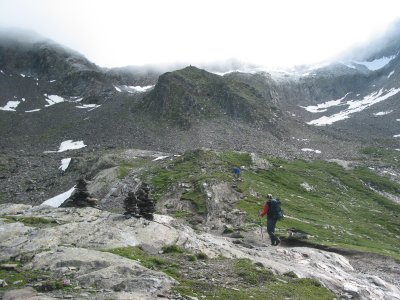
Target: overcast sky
pixel 115 33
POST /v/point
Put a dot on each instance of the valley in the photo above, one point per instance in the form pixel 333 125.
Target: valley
pixel 323 140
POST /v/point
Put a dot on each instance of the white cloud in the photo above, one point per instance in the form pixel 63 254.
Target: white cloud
pixel 122 32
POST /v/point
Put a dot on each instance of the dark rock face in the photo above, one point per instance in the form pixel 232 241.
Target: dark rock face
pixel 139 204
pixel 40 57
pixel 184 96
pixel 80 197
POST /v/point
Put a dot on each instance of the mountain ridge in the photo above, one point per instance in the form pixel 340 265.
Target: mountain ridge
pixel 298 137
pixel 189 108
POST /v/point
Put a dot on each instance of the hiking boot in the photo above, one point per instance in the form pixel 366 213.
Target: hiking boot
pixel 276 242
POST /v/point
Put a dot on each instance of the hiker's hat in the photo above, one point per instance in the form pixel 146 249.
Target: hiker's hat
pixel 269 196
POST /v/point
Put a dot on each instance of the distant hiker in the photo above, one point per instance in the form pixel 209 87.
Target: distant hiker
pixel 272 208
pixel 236 172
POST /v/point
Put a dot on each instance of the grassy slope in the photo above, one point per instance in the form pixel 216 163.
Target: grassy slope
pixel 342 211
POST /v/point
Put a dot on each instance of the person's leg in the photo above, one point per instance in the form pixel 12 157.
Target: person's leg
pixel 271 223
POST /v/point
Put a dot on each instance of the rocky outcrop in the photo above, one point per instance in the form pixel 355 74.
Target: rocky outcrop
pixel 139 204
pixel 66 245
pixel 81 196
pixel 184 96
pixel 106 271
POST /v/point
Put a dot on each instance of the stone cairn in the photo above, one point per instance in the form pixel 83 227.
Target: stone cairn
pixel 81 196
pixel 139 204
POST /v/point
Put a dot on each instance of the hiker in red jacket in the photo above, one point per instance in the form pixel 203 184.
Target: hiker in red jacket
pixel 271 220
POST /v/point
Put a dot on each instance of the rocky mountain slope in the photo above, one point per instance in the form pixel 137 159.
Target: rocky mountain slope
pixel 324 140
pixel 51 95
pixel 206 239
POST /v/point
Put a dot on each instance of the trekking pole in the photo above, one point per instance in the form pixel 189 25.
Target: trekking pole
pixel 262 234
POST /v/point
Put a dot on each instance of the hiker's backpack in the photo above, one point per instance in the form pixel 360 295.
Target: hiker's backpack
pixel 275 210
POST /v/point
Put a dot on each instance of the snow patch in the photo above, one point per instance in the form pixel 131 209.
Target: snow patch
pixel 53 80
pixel 390 74
pixel 299 140
pixel 355 106
pixel 348 65
pixel 231 71
pixel 383 113
pixel 140 88
pixel 59 199
pixel 396 135
pixel 377 63
pixel 71 145
pixel 311 150
pixel 65 163
pixel 160 157
pixel 133 89
pixel 10 106
pixel 33 110
pixel 323 106
pixel 22 75
pixel 53 99
pixel 390 173
pixel 88 106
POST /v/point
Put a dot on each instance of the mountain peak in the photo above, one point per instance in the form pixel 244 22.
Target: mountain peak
pixel 192 94
pixel 28 52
